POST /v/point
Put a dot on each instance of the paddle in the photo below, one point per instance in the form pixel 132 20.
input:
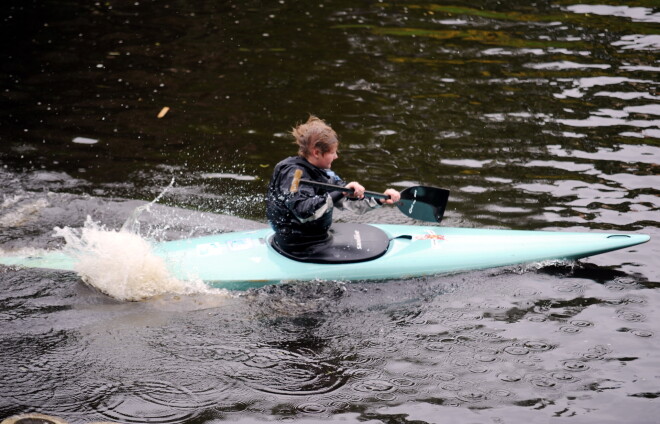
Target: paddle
pixel 418 202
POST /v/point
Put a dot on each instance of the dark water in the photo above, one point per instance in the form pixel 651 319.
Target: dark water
pixel 537 116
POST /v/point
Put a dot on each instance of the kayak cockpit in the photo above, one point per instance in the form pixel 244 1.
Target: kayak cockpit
pixel 350 243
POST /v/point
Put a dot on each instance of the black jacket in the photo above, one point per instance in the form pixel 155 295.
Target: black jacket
pixel 302 219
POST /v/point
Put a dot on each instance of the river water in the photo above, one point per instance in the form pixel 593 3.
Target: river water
pixel 541 116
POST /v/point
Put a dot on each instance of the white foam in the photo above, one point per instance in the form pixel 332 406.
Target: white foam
pixel 123 265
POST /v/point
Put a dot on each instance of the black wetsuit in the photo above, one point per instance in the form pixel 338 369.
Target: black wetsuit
pixel 301 220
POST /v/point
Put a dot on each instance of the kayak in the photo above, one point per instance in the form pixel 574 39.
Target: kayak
pixel 248 259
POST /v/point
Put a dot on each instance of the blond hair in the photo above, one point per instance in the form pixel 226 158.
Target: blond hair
pixel 314 134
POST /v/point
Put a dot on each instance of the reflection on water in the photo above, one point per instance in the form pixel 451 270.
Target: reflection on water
pixel 636 14
pixel 536 116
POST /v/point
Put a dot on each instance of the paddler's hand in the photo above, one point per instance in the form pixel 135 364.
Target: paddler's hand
pixel 395 196
pixel 359 190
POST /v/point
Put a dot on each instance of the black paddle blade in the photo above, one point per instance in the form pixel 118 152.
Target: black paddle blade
pixel 424 203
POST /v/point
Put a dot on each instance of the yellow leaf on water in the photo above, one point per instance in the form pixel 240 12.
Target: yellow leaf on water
pixel 163 112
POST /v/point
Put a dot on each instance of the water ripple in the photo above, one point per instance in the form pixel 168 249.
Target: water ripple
pixel 140 401
pixel 573 365
pixel 471 395
pixel 374 386
pixel 509 376
pixel 289 373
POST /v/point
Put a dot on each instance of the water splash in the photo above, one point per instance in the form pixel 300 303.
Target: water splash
pixel 132 224
pixel 122 264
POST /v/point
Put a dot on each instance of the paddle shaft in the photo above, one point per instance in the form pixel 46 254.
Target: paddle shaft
pixel 332 187
pixel 418 202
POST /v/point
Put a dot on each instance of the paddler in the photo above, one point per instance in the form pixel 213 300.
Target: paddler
pixel 302 217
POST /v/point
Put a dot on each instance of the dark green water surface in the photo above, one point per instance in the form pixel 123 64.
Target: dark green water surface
pixel 536 115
